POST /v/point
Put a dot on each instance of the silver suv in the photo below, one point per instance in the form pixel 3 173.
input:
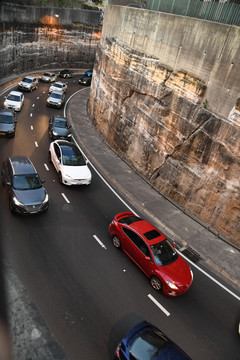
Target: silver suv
pixel 28 83
pixel 56 99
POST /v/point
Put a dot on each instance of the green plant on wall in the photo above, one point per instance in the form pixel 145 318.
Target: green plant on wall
pixel 205 103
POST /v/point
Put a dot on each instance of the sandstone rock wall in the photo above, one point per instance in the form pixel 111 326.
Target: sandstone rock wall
pixel 34 38
pixel 151 114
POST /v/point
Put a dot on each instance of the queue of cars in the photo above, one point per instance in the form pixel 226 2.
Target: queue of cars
pixel 25 189
pixel 143 243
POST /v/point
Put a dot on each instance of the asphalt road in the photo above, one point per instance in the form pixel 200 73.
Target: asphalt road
pixel 89 293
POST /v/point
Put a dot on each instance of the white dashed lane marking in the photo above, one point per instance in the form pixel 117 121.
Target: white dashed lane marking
pixel 158 305
pixel 65 198
pixel 99 241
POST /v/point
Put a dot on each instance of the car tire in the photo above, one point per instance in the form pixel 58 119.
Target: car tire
pixel 116 241
pixel 49 157
pixel 60 177
pixel 156 283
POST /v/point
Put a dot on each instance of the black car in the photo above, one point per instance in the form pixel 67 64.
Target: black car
pixel 7 123
pixel 59 128
pixel 85 81
pixel 26 192
pixel 66 74
pixel 146 341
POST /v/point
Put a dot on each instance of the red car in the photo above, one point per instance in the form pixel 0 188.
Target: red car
pixel 152 252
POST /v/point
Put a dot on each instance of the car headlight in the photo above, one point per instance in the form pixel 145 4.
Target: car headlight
pixel 54 133
pixel 48 100
pixel 191 273
pixel 171 285
pixel 59 103
pixel 46 199
pixel 17 202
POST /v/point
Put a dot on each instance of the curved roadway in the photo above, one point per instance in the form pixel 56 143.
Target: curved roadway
pixel 89 293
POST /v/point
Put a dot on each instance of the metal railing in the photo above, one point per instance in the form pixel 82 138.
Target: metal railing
pixel 225 13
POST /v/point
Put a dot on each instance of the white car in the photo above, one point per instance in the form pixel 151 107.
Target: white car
pixel 28 83
pixel 48 77
pixel 69 163
pixel 58 86
pixel 14 100
pixel 56 99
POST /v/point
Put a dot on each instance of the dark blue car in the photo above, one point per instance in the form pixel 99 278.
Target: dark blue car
pixel 146 342
pixel 89 73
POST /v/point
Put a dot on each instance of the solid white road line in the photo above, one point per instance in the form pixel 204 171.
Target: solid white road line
pixel 105 180
pixel 46 167
pixel 33 105
pixel 65 198
pixel 36 144
pixel 211 278
pixel 30 114
pixel 196 266
pixel 99 241
pixel 158 305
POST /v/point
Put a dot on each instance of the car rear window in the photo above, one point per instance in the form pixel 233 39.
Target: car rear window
pixel 152 234
pixel 128 220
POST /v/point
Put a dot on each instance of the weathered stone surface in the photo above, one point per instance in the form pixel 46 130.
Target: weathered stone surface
pixel 37 39
pixel 152 118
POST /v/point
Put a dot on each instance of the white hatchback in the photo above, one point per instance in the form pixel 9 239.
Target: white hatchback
pixel 14 100
pixel 69 163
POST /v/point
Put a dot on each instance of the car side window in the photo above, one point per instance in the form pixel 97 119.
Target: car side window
pixel 8 172
pixel 57 151
pixel 136 239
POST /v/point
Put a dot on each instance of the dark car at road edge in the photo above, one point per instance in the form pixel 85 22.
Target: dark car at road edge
pixel 146 342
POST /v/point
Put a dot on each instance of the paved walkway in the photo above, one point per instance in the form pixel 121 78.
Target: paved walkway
pixel 196 241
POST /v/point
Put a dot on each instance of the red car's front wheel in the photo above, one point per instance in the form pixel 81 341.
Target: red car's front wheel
pixel 156 283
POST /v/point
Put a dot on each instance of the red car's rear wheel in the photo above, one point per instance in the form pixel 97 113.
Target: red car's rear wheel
pixel 116 241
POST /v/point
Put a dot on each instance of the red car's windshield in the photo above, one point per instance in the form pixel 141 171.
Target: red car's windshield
pixel 163 253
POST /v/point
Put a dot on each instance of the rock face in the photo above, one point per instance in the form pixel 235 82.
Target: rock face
pixel 151 115
pixel 35 38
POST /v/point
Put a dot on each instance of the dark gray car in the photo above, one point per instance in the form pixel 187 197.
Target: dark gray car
pixel 26 192
pixel 7 123
pixel 59 128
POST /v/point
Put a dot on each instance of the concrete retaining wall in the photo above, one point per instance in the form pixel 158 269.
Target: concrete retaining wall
pixel 206 50
pixel 159 82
